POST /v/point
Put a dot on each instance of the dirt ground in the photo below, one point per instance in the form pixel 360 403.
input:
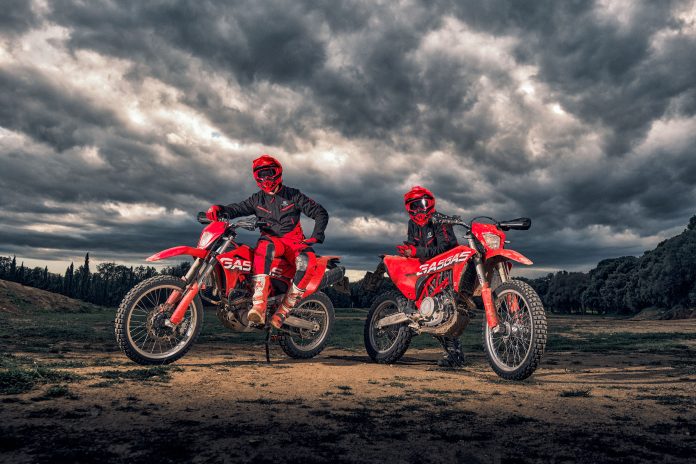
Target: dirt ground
pixel 223 403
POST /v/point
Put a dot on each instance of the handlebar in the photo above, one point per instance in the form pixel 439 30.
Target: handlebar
pixel 518 224
pixel 247 223
pixel 440 218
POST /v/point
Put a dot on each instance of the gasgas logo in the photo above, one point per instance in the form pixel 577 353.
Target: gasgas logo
pixel 236 264
pixel 443 263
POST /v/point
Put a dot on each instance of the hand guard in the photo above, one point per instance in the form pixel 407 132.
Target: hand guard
pixel 310 241
pixel 213 212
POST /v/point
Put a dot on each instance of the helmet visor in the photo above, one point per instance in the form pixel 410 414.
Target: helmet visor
pixel 420 205
pixel 266 173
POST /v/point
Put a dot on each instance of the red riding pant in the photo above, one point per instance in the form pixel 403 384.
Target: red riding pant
pixel 268 249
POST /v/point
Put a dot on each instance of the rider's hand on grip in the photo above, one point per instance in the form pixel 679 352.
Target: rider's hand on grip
pixel 214 212
pixel 440 218
pixel 406 250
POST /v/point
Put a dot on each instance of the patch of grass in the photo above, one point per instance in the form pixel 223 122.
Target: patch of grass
pixel 23 379
pixel 669 400
pixel 396 384
pixel 8 360
pixel 99 362
pixel 436 400
pixel 261 401
pixel 106 383
pixel 68 364
pixel 516 419
pixel 580 393
pixel 155 373
pixel 435 391
pixel 344 387
pixel 57 391
pixel 654 342
pixel 373 382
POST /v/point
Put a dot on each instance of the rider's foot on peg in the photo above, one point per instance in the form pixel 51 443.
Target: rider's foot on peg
pixel 255 316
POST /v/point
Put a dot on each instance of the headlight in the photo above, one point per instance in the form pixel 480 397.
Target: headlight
pixel 205 240
pixel 492 240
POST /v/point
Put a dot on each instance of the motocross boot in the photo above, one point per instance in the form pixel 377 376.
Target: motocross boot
pixel 453 356
pixel 262 287
pixel 289 302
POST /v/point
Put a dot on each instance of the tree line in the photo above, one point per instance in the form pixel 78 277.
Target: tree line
pixel 663 278
pixel 105 286
pixel 109 282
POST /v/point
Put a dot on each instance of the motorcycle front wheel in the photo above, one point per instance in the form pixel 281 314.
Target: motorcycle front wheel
pixel 140 327
pixel 514 352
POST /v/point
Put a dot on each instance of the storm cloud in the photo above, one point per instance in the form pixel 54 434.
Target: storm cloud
pixel 120 120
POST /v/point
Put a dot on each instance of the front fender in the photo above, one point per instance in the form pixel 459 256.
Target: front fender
pixel 178 251
pixel 502 254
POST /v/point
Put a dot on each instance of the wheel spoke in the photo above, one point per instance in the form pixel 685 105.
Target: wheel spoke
pixel 512 345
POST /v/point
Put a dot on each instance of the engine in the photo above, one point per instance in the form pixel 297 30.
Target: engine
pixel 435 310
pixel 233 314
pixel 442 315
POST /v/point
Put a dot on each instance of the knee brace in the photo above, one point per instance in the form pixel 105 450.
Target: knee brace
pixel 301 262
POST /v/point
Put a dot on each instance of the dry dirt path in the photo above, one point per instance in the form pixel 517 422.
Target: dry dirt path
pixel 222 403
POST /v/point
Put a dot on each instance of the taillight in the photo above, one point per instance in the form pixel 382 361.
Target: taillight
pixel 492 240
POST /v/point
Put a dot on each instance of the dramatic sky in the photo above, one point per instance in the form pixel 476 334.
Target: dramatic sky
pixel 119 120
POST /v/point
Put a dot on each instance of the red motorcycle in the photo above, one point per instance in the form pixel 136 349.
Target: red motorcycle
pixel 436 297
pixel 160 318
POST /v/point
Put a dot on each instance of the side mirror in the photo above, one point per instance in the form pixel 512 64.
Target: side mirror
pixel 517 224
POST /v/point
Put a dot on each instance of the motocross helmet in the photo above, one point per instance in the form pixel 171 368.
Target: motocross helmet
pixel 268 173
pixel 420 204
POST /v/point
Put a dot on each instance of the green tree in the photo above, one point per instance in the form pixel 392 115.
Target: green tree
pixel 68 281
pixel 83 279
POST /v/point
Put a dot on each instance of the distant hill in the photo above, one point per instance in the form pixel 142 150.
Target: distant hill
pixel 17 298
pixel 662 280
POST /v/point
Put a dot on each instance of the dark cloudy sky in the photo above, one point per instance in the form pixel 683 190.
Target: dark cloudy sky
pixel 121 119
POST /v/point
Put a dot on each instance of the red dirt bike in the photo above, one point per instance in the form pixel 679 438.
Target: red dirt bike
pixel 436 296
pixel 160 318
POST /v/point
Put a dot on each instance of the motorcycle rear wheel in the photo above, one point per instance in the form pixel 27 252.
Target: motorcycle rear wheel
pixel 301 344
pixel 515 352
pixel 387 345
pixel 139 328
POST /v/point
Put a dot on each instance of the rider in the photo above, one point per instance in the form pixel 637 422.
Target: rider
pixel 278 207
pixel 426 240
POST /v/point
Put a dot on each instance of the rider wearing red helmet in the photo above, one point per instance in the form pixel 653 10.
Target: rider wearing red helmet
pixel 426 240
pixel 279 208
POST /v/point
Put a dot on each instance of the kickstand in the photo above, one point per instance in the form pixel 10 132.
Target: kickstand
pixel 269 327
pixel 268 341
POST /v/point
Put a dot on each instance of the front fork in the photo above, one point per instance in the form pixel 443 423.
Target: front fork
pixel 205 267
pixel 486 291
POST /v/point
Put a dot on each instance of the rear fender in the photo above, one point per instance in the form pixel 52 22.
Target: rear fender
pixel 318 273
pixel 178 251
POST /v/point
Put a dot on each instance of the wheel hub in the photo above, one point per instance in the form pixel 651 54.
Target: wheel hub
pixel 156 325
